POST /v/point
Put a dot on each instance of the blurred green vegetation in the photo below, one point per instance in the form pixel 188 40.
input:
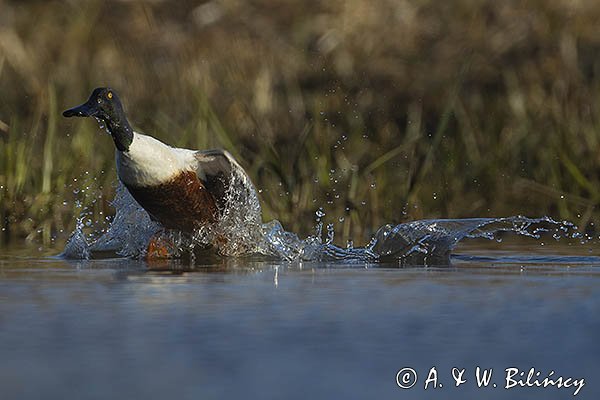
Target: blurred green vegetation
pixel 378 111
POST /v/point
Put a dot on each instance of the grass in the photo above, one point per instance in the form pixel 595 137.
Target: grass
pixel 376 111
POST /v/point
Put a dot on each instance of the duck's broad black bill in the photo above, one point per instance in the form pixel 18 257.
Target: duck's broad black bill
pixel 84 110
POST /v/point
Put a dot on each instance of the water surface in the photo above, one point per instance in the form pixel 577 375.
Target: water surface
pixel 262 329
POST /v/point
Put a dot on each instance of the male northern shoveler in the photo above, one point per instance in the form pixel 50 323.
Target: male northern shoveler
pixel 181 189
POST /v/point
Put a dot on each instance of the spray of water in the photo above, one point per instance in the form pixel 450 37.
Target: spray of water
pixel 240 232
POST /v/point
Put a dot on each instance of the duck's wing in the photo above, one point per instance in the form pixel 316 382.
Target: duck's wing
pixel 218 170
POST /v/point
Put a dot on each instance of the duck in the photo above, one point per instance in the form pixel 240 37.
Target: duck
pixel 181 189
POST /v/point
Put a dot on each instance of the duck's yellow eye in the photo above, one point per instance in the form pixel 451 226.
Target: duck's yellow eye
pixel 109 95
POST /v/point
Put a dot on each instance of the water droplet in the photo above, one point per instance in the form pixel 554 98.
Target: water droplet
pixel 341 219
pixel 320 213
pixel 330 233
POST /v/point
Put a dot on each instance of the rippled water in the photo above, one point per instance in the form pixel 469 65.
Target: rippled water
pixel 250 328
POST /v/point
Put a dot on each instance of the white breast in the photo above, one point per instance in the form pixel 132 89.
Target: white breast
pixel 150 162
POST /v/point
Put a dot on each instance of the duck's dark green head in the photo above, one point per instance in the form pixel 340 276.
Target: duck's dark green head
pixel 104 104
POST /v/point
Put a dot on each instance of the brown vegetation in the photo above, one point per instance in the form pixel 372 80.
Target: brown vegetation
pixel 379 111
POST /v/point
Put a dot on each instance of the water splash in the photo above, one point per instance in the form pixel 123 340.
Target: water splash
pixel 127 235
pixel 431 241
pixel 241 232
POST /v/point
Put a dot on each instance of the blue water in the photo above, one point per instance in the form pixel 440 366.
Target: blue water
pixel 271 330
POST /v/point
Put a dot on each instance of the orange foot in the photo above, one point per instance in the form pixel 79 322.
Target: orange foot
pixel 159 248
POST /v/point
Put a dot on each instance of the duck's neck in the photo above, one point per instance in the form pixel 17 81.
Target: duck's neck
pixel 121 132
